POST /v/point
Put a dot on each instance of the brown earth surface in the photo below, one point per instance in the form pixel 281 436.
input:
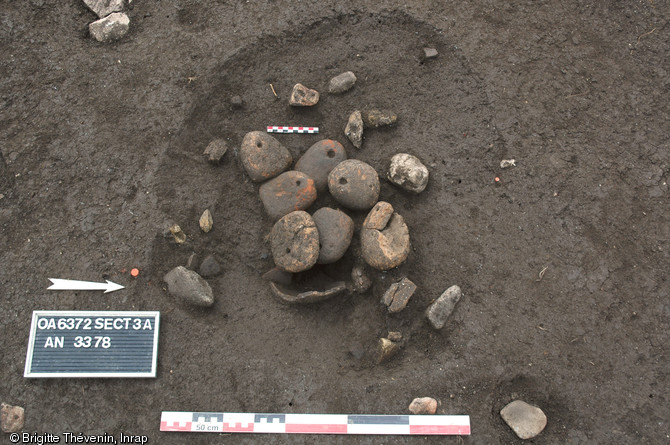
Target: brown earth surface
pixel 563 263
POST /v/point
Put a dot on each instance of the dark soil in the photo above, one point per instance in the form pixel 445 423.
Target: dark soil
pixel 101 151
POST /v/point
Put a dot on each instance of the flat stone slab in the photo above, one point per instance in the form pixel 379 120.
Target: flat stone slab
pixel 526 420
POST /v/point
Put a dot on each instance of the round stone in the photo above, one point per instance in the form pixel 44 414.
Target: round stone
pixel 354 184
pixel 287 193
pixel 343 82
pixel 263 157
pixel 294 242
pixel 384 238
pixel 319 160
pixel 408 172
pixel 423 405
pixel 335 232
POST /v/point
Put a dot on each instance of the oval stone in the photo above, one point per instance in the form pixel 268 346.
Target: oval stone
pixel 319 160
pixel 263 157
pixel 294 242
pixel 335 232
pixel 408 172
pixel 384 238
pixel 287 193
pixel 354 184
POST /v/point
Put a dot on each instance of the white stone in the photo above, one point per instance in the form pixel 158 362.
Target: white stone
pixel 527 421
pixel 112 27
pixel 103 8
pixel 408 172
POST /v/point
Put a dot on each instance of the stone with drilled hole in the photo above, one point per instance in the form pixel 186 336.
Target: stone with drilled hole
pixel 103 8
pixel 319 160
pixel 301 96
pixel 336 229
pixel 189 286
pixel 386 349
pixel 398 294
pixel 408 172
pixel 384 238
pixel 287 193
pixel 341 83
pixel 354 184
pixel 354 129
pixel 292 296
pixel 12 418
pixel 206 221
pixel 441 309
pixel 526 420
pixel 263 157
pixel 360 280
pixel 423 405
pixel 215 150
pixel 378 118
pixel 112 27
pixel 209 267
pixel 294 241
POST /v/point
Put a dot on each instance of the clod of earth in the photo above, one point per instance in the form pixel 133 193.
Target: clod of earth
pixel 354 184
pixel 103 8
pixel 386 349
pixel 294 242
pixel 287 193
pixel 189 286
pixel 301 96
pixel 384 238
pixel 292 296
pixel 178 234
pixel 12 418
pixel 215 150
pixel 408 172
pixel 336 229
pixel 398 294
pixel 423 405
pixel 526 420
pixel 342 83
pixel 441 309
pixel 354 129
pixel 263 157
pixel 319 160
pixel 112 27
pixel 378 118
pixel 206 221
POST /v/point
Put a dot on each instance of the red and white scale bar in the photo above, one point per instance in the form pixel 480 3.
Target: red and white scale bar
pixel 280 129
pixel 315 423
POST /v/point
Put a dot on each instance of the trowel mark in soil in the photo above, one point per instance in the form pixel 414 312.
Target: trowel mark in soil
pixel 442 119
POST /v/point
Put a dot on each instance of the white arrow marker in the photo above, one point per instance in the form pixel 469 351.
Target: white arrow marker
pixel 59 284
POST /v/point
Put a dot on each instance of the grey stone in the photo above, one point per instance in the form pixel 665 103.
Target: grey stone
pixel 341 83
pixel 354 129
pixel 263 157
pixel 423 405
pixel 12 418
pixel 103 8
pixel 336 229
pixel 192 261
pixel 112 27
pixel 354 184
pixel 441 309
pixel 385 242
pixel 288 192
pixel 398 294
pixel 216 150
pixel 429 53
pixel 189 286
pixel 209 267
pixel 526 420
pixel 408 172
pixel 319 160
pixel 294 241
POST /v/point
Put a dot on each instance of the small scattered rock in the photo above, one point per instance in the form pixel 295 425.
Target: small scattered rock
pixel 301 96
pixel 112 27
pixel 215 150
pixel 12 418
pixel 336 229
pixel 526 420
pixel 178 234
pixel 263 157
pixel 394 336
pixel 505 163
pixel 209 267
pixel 423 405
pixel 294 242
pixel 384 238
pixel 103 8
pixel 276 275
pixel 354 184
pixel 408 172
pixel 378 118
pixel 360 279
pixel 190 286
pixel 206 221
pixel 354 129
pixel 441 309
pixel 341 83
pixel 287 193
pixel 294 297
pixel 398 294
pixel 386 349
pixel 319 160
pixel 236 102
pixel 429 53
pixel 192 261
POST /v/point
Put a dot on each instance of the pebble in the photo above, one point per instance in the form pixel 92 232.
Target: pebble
pixel 527 421
pixel 354 129
pixel 429 53
pixel 112 27
pixel 236 102
pixel 394 336
pixel 341 83
pixel 378 118
pixel 206 221
pixel 423 405
pixel 336 229
pixel 287 193
pixel 441 309
pixel 319 160
pixel 276 275
pixel 263 157
pixel 314 296
pixel 386 349
pixel 103 8
pixel 294 242
pixel 398 294
pixel 215 150
pixel 360 279
pixel 190 286
pixel 178 234
pixel 506 163
pixel 301 96
pixel 12 418
pixel 354 184
pixel 408 172
pixel 209 267
pixel 384 238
